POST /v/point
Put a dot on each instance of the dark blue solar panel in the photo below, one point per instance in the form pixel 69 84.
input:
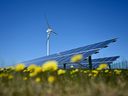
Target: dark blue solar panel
pixel 107 60
pixel 64 54
pixel 95 62
pixel 120 65
pixel 85 55
pixel 61 59
pixel 102 60
pixel 89 47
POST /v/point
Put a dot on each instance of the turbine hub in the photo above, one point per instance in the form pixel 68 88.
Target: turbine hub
pixel 49 30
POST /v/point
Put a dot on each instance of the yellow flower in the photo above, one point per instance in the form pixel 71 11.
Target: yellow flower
pixel 25 70
pixel 106 71
pixel 25 78
pixel 98 69
pixel 85 71
pixel 74 71
pixel 103 66
pixel 38 69
pixel 51 79
pixel 89 74
pixel 33 74
pixel 10 77
pixel 95 71
pixel 3 75
pixel 76 58
pixel 94 75
pixel 19 67
pixel 37 79
pixel 60 72
pixel 50 66
pixel 117 72
pixel 31 68
pixel 34 69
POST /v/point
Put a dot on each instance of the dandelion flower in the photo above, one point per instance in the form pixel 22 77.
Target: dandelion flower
pixel 106 71
pixel 117 72
pixel 60 72
pixel 85 71
pixel 31 68
pixel 103 66
pixel 74 71
pixel 76 58
pixel 94 75
pixel 38 69
pixel 10 77
pixel 37 79
pixel 3 75
pixel 89 74
pixel 95 71
pixel 25 78
pixel 32 74
pixel 98 68
pixel 50 66
pixel 51 79
pixel 19 67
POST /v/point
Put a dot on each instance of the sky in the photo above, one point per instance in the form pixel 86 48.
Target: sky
pixel 77 22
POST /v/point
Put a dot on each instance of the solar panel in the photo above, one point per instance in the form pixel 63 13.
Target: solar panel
pixel 120 65
pixel 95 62
pixel 107 60
pixel 64 57
pixel 61 59
pixel 89 47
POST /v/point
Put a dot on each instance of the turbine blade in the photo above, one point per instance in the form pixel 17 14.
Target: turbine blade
pixel 54 33
pixel 46 19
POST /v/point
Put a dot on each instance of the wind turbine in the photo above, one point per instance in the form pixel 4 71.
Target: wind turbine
pixel 49 32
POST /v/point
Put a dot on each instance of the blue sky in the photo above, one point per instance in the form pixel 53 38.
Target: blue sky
pixel 77 22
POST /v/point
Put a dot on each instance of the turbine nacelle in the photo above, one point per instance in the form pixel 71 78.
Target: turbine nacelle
pixel 49 30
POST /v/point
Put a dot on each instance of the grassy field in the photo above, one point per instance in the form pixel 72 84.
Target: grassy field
pixel 48 80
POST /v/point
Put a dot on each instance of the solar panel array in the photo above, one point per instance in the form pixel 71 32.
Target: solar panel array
pixel 120 65
pixel 106 60
pixel 61 59
pixel 95 62
pixel 64 57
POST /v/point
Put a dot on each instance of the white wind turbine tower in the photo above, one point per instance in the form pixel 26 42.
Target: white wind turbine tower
pixel 49 32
